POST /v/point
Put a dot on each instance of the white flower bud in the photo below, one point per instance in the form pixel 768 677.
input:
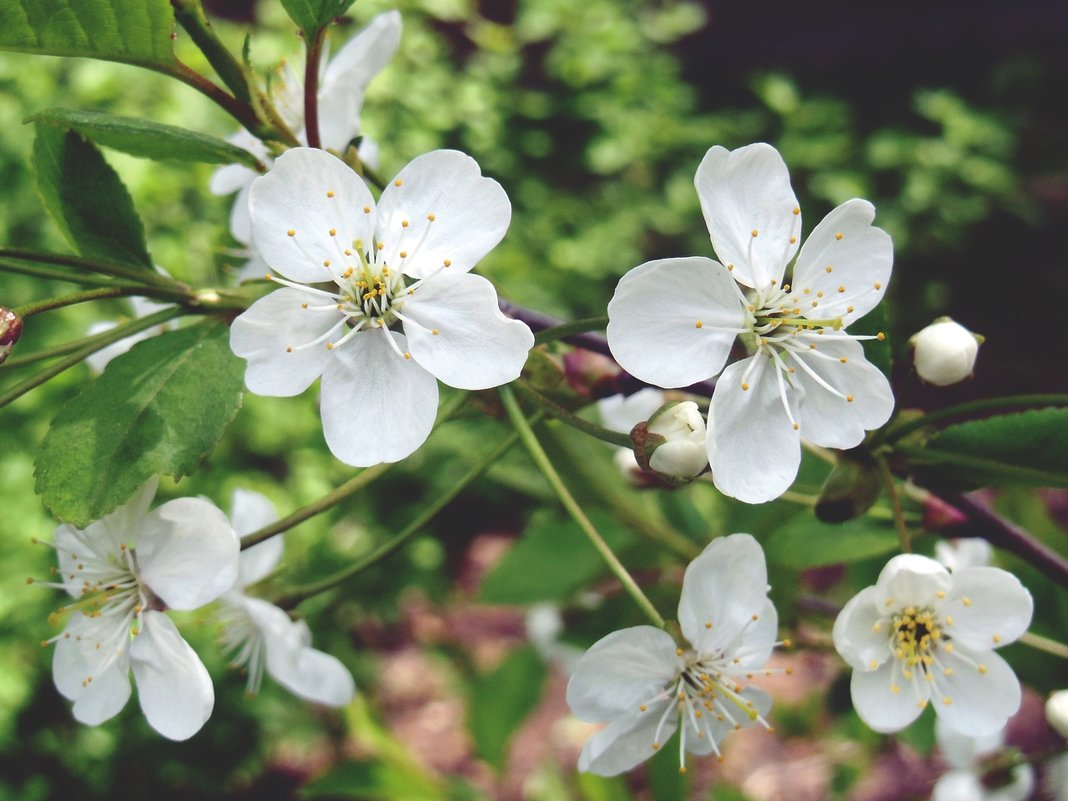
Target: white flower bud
pixel 1057 712
pixel 944 352
pixel 682 454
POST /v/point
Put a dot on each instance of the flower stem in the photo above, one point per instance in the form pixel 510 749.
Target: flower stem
pixel 53 275
pixel 30 309
pixel 895 505
pixel 91 346
pixel 190 15
pixel 295 596
pixel 897 432
pixel 550 406
pixel 311 85
pixel 1044 644
pixel 541 459
pixel 143 276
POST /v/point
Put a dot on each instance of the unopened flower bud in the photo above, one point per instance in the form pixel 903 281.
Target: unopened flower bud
pixel 672 443
pixel 10 331
pixel 944 352
pixel 1057 712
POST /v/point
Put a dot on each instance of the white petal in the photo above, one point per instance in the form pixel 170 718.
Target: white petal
pixel 963 552
pixel 716 730
pixel 983 691
pixel 376 405
pixel 269 334
pixel 173 686
pixel 654 314
pixel 471 214
pixel 105 697
pixel 753 448
pixel 626 742
pixel 622 412
pixel 958 785
pixel 241 216
pixel 296 196
pixel 910 580
pixel 347 75
pixel 620 672
pixel 860 257
pixel 862 632
pixel 231 178
pixel 77 662
pixel 250 511
pixel 997 612
pixel 187 553
pixel 318 677
pixel 962 750
pixel 457 332
pixel 831 420
pixel 725 585
pixel 743 191
pixel 879 706
pixel 755 643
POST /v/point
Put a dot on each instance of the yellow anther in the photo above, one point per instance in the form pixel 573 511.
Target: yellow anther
pixel 878 285
pixel 398 182
pixel 447 262
pixel 730 267
pixel 787 643
pixel 941 593
pixel 849 309
pixel 996 638
pixel 841 289
pixel 849 398
pixel 405 223
pixel 880 336
pixel 404 254
pixel 745 387
pixel 291 232
pixel 828 268
pixel 838 237
pixel 656 746
pixel 895 689
pixel 643 708
pixel 698 324
pixel 793 240
pixel 796 211
pixel 407 355
pixel 381 245
pixel 326 262
pixel 678 652
pixel 966 601
pixel 431 217
pixel 682 769
pixel 873 664
pixel 843 360
pixel 329 345
pixel 366 209
pixel 433 331
pixel 754 233
pixel 947 700
pixel 329 193
pixel 982 670
pixel 708 625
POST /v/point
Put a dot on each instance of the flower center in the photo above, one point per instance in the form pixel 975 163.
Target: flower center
pixel 917 633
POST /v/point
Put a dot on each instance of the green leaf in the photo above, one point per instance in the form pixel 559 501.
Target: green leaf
pixel 86 198
pixel 310 15
pixel 502 699
pixel 115 30
pixel 805 542
pixel 373 781
pixel 1024 448
pixel 160 408
pixel 151 140
pixel 550 561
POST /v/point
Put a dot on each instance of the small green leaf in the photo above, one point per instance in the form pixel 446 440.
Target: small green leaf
pixel 86 198
pixel 310 15
pixel 114 30
pixel 146 139
pixel 550 561
pixel 805 542
pixel 160 408
pixel 1024 448
pixel 502 699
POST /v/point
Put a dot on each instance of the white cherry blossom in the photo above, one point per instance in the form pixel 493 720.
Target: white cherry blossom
pixel 922 635
pixel 644 686
pixel 673 322
pixel 944 352
pixel 965 780
pixel 378 301
pixel 142 307
pixel 621 413
pixel 261 635
pixel 123 572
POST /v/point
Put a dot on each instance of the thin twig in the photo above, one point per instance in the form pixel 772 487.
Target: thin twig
pixel 311 85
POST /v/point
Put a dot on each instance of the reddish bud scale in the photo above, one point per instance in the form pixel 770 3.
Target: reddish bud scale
pixel 10 331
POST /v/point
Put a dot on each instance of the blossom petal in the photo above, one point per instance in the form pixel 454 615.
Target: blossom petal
pixel 77 662
pixel 751 211
pixel 958 785
pixel 452 212
pixel 753 448
pixel 963 750
pixel 173 687
pixel 105 696
pixel 349 72
pixel 187 552
pixel 879 706
pixel 726 585
pixel 622 412
pixel 626 742
pixel 310 193
pixel 848 260
pixel 313 675
pixel 270 333
pixel 910 580
pixel 981 688
pixel 860 401
pixel 861 632
pixel 715 730
pixel 671 322
pixel 989 607
pixel 376 405
pixel 241 216
pixel 620 672
pixel 250 511
pixel 457 332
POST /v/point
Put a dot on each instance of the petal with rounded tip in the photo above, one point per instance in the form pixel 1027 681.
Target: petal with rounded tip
pixel 173 687
pixel 311 193
pixel 958 785
pixel 457 332
pixel 622 412
pixel 862 632
pixel 270 333
pixel 77 662
pixel 879 706
pixel 910 580
pixel 989 607
pixel 620 672
pixel 187 553
pixel 470 214
pixel 981 688
pixel 753 448
pixel 859 255
pixel 626 742
pixel 250 511
pixel 747 191
pixel 105 696
pixel 318 677
pixel 376 405
pixel 671 322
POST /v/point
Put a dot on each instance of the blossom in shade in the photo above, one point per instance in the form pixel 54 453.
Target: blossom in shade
pixel 142 307
pixel 923 635
pixel 944 352
pixel 621 413
pixel 123 572
pixel 673 323
pixel 966 779
pixel 644 686
pixel 377 300
pixel 263 637
pixel 963 552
